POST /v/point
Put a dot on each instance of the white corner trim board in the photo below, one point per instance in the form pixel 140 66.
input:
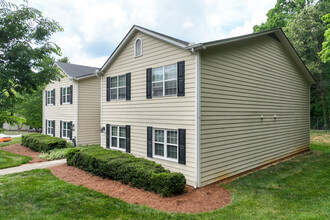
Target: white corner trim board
pixel 198 117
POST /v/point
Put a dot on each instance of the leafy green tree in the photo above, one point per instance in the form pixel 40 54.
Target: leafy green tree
pixel 325 53
pixel 283 11
pixel 31 109
pixel 26 61
pixel 306 33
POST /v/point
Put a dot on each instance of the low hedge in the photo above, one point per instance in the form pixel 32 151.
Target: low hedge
pixel 42 143
pixel 126 168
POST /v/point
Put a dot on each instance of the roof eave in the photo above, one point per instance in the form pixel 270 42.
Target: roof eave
pixel 279 33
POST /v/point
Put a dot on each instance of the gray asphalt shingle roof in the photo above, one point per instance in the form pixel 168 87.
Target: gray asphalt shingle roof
pixel 75 70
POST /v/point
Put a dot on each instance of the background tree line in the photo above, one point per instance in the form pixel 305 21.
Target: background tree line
pixel 307 25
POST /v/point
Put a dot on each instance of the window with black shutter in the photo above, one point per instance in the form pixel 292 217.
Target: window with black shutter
pixel 128 86
pixel 149 141
pixel 107 131
pixel 128 138
pixel 108 88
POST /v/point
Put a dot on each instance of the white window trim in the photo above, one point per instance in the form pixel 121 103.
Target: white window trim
pixel 49 97
pixel 135 47
pixel 164 80
pixel 62 131
pixel 118 137
pixel 165 144
pixel 117 88
pixel 50 122
pixel 66 95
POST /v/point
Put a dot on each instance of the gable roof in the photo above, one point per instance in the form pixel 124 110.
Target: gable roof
pixel 76 71
pixel 276 34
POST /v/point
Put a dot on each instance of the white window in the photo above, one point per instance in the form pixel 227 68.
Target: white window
pixel 66 95
pixel 50 127
pixel 164 80
pixel 118 137
pixel 66 129
pixel 50 97
pixel 138 47
pixel 118 87
pixel 165 144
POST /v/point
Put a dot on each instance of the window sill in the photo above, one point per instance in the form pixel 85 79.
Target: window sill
pixel 66 103
pixel 117 148
pixel 138 56
pixel 166 159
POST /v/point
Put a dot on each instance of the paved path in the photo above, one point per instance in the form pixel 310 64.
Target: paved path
pixel 32 166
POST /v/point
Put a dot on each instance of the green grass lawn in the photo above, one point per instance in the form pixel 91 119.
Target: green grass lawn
pixel 295 189
pixel 320 140
pixel 8 159
pixel 16 140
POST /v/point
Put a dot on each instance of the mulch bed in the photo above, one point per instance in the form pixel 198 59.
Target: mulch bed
pixel 204 199
pixel 25 151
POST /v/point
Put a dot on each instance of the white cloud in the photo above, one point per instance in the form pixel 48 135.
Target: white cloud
pixel 88 25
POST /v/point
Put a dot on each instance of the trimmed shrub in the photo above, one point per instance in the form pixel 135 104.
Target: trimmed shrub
pixel 138 172
pixel 42 143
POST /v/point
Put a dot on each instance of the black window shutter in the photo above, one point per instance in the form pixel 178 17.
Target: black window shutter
pixel 54 128
pixel 70 130
pixel 46 96
pixel 181 70
pixel 182 146
pixel 71 88
pixel 61 129
pixel 53 96
pixel 107 131
pixel 149 141
pixel 149 83
pixel 128 138
pixel 128 86
pixel 46 127
pixel 108 88
pixel 61 95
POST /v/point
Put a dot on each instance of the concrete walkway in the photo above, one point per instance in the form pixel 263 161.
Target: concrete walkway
pixel 32 166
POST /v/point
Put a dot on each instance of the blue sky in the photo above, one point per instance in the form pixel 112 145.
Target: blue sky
pixel 94 28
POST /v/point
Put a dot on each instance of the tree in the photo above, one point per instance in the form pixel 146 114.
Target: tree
pixel 283 11
pixel 31 109
pixel 26 61
pixel 306 33
pixel 325 53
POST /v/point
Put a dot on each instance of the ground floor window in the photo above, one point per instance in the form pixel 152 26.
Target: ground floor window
pixel 118 137
pixel 66 129
pixel 50 127
pixel 165 144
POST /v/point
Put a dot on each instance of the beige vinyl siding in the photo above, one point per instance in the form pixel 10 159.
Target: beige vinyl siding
pixel 89 111
pixel 239 83
pixel 57 112
pixel 170 112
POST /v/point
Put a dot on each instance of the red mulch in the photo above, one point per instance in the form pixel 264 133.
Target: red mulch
pixel 25 151
pixel 204 199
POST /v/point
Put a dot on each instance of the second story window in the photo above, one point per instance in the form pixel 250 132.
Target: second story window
pixel 138 47
pixel 66 95
pixel 50 97
pixel 164 80
pixel 118 87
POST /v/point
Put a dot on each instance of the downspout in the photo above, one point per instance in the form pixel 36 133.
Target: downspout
pixel 101 110
pixel 197 116
pixel 99 74
pixel 76 119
